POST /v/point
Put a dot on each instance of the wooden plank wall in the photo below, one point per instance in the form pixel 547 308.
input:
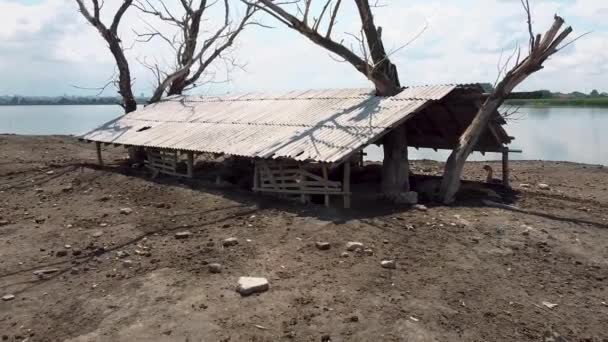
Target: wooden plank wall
pixel 292 178
pixel 165 162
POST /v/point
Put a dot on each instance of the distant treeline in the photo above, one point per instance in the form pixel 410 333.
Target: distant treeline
pixel 61 100
pixel 546 98
pixel 537 98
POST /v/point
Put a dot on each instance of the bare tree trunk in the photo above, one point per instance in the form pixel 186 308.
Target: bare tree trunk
pixel 540 51
pixel 110 35
pixel 395 166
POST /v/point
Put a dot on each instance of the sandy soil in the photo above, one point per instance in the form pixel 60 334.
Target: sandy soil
pixel 464 273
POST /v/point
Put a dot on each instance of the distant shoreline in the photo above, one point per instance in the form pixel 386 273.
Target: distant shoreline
pixel 601 102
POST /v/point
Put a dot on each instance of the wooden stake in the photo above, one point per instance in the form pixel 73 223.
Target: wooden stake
pixel 346 185
pixel 256 177
pixel 190 164
pixel 505 167
pixel 326 178
pixel 98 147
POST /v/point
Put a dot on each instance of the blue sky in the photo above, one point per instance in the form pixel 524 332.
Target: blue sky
pixel 47 47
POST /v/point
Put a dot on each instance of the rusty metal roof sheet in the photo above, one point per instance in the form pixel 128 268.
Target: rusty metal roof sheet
pixel 320 125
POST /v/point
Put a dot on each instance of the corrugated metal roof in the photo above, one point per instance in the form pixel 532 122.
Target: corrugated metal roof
pixel 320 125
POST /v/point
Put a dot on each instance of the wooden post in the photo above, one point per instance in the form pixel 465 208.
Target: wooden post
pixel 190 164
pixel 505 167
pixel 256 177
pixel 98 147
pixel 326 178
pixel 346 185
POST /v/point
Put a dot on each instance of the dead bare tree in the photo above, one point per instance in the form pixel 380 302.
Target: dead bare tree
pixel 192 56
pixel 540 49
pixel 374 64
pixel 110 35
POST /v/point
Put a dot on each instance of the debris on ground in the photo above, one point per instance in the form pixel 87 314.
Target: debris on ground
pixel 353 246
pixel 323 245
pixel 250 285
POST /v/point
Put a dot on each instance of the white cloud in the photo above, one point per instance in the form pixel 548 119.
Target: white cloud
pixel 47 46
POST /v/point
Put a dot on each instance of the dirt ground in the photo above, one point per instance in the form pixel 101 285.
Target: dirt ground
pixel 464 273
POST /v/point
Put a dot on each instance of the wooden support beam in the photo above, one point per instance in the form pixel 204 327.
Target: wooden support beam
pixel 346 184
pixel 505 167
pixel 98 147
pixel 326 179
pixel 190 164
pixel 256 176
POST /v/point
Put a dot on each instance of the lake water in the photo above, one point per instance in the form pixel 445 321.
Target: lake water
pixel 561 134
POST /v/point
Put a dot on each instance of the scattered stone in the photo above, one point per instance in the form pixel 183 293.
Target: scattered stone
pixel 251 285
pixel 122 254
pixel 103 224
pixel 353 246
pixel 543 186
pixel 215 268
pixel 126 211
pixel 325 338
pixel 368 251
pixel 67 188
pixel 39 190
pixel 354 318
pixel 344 255
pixel 39 220
pixel 4 222
pixel 323 245
pixel 62 253
pixel 76 252
pixel 145 253
pixel 97 234
pixel 8 297
pixel 183 235
pixel 50 172
pixel 127 263
pixel 391 264
pixel 232 241
pixel 420 207
pixel 549 305
pixel 409 227
pixel 74 270
pixel 46 271
pixel 525 185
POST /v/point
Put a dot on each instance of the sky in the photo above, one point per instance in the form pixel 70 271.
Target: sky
pixel 47 48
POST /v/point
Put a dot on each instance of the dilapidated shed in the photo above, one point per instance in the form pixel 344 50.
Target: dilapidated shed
pixel 296 137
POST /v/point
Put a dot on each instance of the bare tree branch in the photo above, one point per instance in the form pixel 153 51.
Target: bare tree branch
pixel 110 35
pixel 540 51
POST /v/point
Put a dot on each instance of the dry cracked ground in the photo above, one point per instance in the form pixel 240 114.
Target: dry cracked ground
pixel 115 271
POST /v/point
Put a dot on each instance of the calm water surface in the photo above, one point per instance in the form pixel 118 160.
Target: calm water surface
pixel 564 134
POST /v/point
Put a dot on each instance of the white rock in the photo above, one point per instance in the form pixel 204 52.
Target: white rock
pixel 388 264
pixel 420 207
pixel 549 305
pixel 251 285
pixel 126 211
pixel 353 246
pixel 231 241
pixel 8 297
pixel 543 186
pixel 323 245
pixel 182 235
